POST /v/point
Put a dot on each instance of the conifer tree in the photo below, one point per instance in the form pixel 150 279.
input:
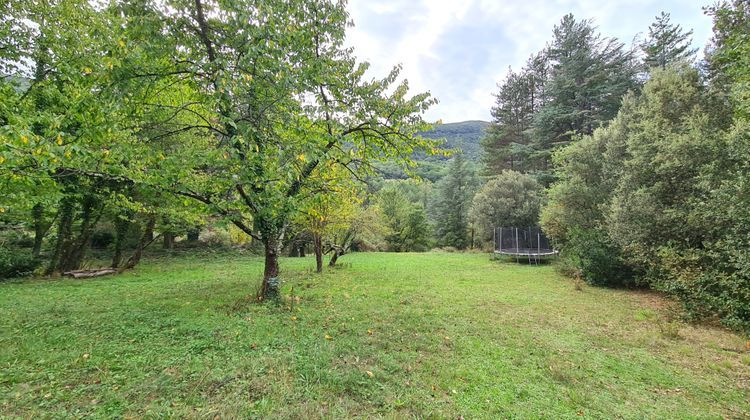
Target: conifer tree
pixel 666 43
pixel 452 207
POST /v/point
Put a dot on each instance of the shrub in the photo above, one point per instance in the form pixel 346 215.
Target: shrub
pixel 710 284
pixel 600 262
pixel 15 263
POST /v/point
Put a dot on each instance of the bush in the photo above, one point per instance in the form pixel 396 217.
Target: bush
pixel 16 263
pixel 600 262
pixel 711 284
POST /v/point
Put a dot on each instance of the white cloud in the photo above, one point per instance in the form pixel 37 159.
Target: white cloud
pixel 460 50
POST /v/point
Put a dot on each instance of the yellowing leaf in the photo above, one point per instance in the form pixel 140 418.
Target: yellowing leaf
pixel 87 70
pixel 301 158
pixel 328 337
pixel 369 332
pixel 68 154
pixel 24 140
pixel 2 210
pixel 2 159
pixel 59 140
pixel 370 374
pixel 121 43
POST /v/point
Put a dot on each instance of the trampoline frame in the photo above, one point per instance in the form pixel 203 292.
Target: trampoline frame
pixel 533 254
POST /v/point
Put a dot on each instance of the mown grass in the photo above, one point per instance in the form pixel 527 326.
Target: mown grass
pixel 389 335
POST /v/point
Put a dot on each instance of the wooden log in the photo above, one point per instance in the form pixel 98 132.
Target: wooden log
pixel 85 274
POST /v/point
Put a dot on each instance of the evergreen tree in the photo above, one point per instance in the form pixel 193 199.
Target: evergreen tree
pixel 408 228
pixel 520 95
pixel 452 206
pixel 588 77
pixel 666 43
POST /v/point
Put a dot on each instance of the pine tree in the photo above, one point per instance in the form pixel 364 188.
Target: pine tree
pixel 520 95
pixel 588 77
pixel 666 43
pixel 452 206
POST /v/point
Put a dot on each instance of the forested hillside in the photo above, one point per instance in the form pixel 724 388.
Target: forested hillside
pixel 454 138
pixel 464 136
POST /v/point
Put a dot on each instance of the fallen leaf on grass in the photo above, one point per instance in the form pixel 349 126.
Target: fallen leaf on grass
pixel 328 337
pixel 370 374
pixel 369 332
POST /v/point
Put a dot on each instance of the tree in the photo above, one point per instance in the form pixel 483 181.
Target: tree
pixel 57 120
pixel 589 76
pixel 366 231
pixel 408 228
pixel 329 218
pixel 728 54
pixel 278 99
pixel 451 207
pixel 509 199
pixel 666 44
pixel 506 145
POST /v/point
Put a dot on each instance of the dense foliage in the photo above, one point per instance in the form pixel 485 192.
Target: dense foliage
pixel 571 87
pixel 511 199
pixel 451 206
pixel 659 196
pixel 166 114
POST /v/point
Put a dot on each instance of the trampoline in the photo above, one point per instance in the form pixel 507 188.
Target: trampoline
pixel 523 243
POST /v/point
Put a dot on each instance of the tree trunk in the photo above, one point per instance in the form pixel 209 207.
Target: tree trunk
pixel 91 211
pixel 64 230
pixel 270 287
pixel 40 230
pixel 318 247
pixel 121 231
pixel 168 240
pixel 146 239
pixel 334 258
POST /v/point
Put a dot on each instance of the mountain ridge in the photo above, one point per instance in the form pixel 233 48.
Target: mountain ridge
pixel 461 135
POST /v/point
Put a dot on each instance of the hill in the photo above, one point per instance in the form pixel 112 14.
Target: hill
pixel 463 136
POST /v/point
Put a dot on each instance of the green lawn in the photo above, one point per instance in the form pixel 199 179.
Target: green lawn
pixel 391 335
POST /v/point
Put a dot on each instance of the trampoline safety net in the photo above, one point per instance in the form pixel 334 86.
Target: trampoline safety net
pixel 527 242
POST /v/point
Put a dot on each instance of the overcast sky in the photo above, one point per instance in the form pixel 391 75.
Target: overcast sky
pixel 460 49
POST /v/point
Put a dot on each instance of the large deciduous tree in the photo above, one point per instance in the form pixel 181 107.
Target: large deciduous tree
pixel 278 99
pixel 508 199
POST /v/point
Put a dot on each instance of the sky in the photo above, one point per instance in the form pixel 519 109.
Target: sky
pixel 459 50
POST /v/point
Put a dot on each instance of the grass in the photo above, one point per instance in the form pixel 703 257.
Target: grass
pixel 389 335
